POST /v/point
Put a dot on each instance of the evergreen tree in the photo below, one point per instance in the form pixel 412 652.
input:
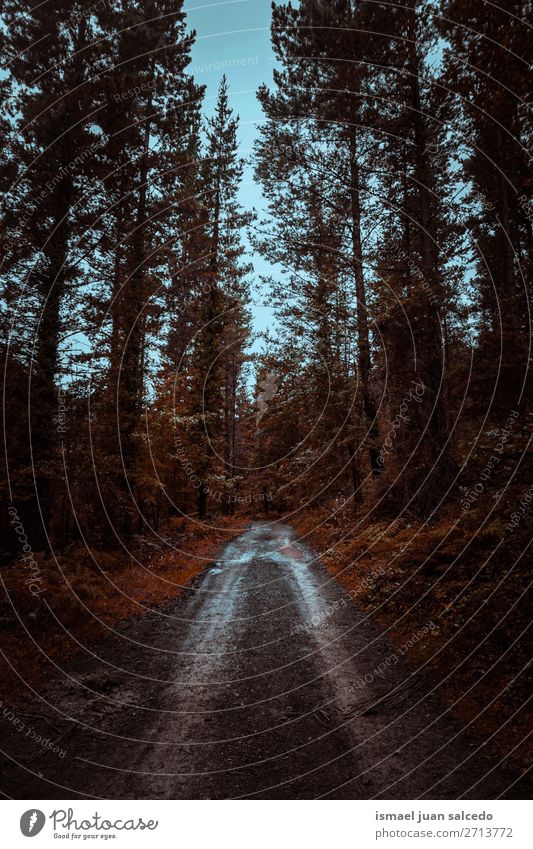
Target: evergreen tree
pixel 222 335
pixel 51 144
pixel 150 111
pixel 318 118
pixel 486 68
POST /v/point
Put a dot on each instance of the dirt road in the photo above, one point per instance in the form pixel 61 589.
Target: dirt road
pixel 262 681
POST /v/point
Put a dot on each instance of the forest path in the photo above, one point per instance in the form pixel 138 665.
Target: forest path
pixel 262 681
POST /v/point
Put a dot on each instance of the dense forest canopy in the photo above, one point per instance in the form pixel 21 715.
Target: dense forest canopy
pixel 392 160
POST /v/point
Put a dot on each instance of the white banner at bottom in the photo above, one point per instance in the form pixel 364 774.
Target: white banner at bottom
pixel 266 824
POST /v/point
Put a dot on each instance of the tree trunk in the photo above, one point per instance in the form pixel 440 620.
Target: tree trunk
pixel 44 401
pixel 431 355
pixel 202 502
pixel 362 316
pixel 133 303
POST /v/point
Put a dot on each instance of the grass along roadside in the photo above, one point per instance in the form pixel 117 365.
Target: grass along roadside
pixel 471 581
pixel 85 595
